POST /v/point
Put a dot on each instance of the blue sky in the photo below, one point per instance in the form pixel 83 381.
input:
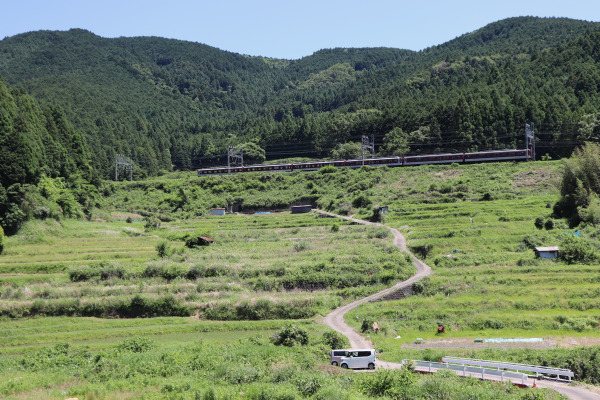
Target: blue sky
pixel 284 28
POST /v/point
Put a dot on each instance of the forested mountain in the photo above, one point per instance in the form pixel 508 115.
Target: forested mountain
pixel 171 103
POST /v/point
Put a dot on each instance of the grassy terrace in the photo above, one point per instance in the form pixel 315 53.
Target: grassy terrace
pixel 67 289
pixel 487 282
pixel 82 268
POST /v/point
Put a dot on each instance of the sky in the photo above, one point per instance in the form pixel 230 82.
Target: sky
pixel 288 29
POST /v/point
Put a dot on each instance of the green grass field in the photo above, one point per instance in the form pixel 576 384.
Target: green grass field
pixel 68 290
pixel 487 281
pixel 80 268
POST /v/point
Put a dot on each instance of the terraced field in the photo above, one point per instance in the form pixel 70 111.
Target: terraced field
pixel 487 281
pixel 111 269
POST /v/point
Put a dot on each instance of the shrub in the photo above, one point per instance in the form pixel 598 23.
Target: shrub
pixel 334 340
pixel 486 197
pixel 379 233
pixel 289 336
pixel 531 242
pixel 136 345
pixel 366 325
pixel 422 251
pixel 103 271
pixel 577 250
pixel 169 272
pixel 421 286
pixel 380 384
pixel 1 240
pixel 539 222
pixel 329 169
pixel 549 225
pixel 301 245
pixel 361 201
pixel 335 228
pixel 111 271
pixel 152 223
pixel 446 188
pixel 163 249
pixel 308 385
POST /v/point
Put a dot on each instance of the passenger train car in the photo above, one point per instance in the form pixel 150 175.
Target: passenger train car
pixel 482 156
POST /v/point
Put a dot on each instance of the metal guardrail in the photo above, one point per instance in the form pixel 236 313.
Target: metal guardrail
pixel 538 369
pixel 474 371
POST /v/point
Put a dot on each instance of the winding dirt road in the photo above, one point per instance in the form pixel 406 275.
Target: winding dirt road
pixel 335 319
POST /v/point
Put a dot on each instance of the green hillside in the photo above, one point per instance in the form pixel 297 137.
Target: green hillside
pixel 175 104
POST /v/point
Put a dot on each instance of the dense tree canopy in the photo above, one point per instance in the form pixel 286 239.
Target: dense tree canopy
pixel 580 186
pixel 175 104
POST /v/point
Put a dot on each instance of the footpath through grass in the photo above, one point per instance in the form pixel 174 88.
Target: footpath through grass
pixel 210 312
pixel 478 235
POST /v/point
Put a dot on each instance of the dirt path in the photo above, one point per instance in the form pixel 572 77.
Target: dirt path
pixel 335 319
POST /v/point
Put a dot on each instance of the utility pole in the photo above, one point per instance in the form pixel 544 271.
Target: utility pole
pixel 368 145
pixel 125 163
pixel 530 140
pixel 234 156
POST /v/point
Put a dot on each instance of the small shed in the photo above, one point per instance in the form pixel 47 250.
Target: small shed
pixel 301 209
pixel 217 211
pixel 205 241
pixel 547 252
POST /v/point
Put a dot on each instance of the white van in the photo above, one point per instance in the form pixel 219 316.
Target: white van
pixel 337 355
pixel 355 359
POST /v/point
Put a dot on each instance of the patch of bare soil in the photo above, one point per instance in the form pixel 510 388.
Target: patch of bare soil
pixel 449 173
pixel 535 178
pixel 467 343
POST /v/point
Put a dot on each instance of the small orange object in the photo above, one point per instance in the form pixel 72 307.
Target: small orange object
pixel 534 385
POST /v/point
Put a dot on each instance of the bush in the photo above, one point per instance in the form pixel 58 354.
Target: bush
pixel 289 336
pixel 103 272
pixel 530 242
pixel 301 245
pixel 163 249
pixel 539 222
pixel 366 326
pixel 136 345
pixel 549 225
pixel 380 384
pixel 577 250
pixel 361 201
pixel 379 233
pixel 421 286
pixel 329 169
pixel 335 228
pixel 152 223
pixel 486 197
pixel 169 272
pixel 334 340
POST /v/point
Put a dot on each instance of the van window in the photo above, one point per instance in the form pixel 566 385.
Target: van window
pixel 339 353
pixel 364 353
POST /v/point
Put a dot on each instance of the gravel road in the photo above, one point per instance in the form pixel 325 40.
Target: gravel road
pixel 335 319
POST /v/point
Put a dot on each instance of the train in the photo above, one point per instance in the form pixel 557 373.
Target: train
pixel 461 158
